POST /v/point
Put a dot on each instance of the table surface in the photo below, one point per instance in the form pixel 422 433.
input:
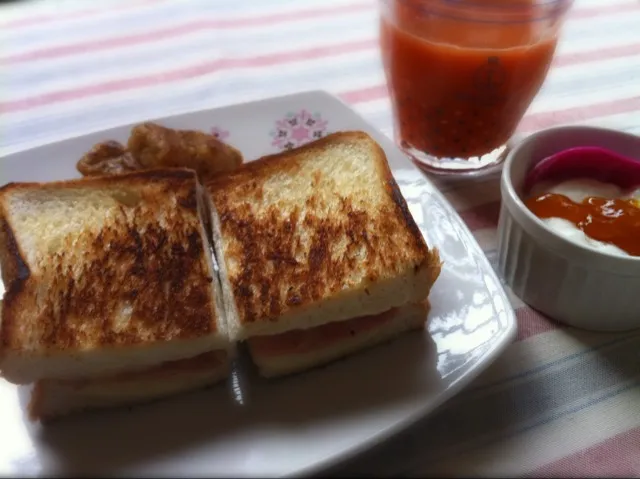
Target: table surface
pixel 559 401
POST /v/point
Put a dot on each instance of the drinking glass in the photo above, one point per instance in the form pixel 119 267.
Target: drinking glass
pixel 462 73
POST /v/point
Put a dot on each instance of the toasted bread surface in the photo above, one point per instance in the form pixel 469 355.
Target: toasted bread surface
pixel 105 262
pixel 317 234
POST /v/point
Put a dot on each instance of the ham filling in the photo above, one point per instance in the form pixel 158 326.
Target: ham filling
pixel 300 341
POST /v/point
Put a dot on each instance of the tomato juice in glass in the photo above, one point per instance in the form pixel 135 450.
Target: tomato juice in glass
pixel 462 73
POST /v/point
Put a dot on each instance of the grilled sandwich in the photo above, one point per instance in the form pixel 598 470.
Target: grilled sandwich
pixel 108 277
pixel 318 254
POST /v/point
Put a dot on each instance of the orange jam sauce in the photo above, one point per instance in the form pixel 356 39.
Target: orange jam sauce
pixel 614 221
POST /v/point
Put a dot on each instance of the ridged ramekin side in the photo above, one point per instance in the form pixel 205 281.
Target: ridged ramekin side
pixel 565 290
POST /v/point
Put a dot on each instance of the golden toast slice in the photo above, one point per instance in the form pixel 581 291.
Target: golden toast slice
pixel 318 234
pixel 105 274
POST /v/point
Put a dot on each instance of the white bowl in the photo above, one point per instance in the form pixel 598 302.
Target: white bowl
pixel 571 283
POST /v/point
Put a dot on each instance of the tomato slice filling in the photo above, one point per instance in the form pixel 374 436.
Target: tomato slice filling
pixel 305 340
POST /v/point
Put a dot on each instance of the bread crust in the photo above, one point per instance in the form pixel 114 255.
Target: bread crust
pixel 14 269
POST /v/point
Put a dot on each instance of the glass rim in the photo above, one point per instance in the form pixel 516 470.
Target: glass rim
pixel 479 11
pixel 537 3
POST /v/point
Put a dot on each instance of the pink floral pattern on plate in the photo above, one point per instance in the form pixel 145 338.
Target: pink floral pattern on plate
pixel 296 129
pixel 220 133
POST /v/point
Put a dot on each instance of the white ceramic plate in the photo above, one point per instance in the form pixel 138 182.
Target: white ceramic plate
pixel 295 425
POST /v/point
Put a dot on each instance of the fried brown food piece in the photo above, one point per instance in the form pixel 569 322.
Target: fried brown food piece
pixel 107 158
pixel 155 146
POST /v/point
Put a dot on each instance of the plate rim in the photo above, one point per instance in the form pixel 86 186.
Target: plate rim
pixel 454 388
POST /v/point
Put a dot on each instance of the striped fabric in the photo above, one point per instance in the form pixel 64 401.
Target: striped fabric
pixel 559 402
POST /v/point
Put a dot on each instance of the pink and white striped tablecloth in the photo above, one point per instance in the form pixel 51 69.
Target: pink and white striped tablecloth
pixel 559 402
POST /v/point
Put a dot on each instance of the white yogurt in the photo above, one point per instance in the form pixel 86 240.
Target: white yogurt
pixel 577 190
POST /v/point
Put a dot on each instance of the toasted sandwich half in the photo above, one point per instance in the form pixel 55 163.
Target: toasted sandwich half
pixel 318 253
pixel 108 277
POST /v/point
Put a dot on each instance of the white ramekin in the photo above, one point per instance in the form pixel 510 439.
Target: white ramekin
pixel 564 280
